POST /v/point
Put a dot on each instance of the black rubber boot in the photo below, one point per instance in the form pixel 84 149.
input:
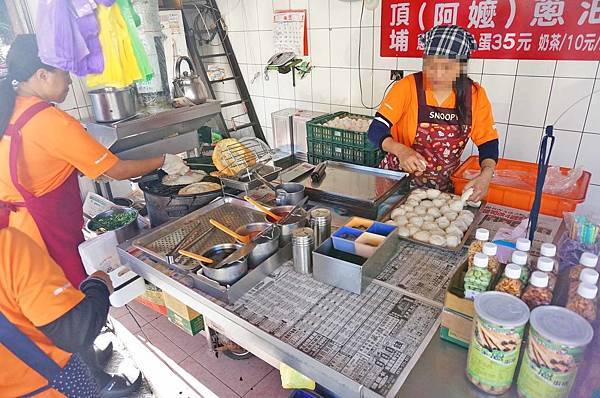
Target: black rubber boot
pixel 104 356
pixel 119 387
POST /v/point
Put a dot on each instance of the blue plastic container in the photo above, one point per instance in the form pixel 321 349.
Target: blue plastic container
pixel 381 228
pixel 342 244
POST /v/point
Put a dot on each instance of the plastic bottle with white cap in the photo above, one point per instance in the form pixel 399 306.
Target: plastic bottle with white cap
pixel 478 278
pixel 584 302
pixel 482 235
pixel 491 249
pixel 520 258
pixel 587 260
pixel 538 292
pixel 546 265
pixel 549 250
pixel 588 275
pixel 511 280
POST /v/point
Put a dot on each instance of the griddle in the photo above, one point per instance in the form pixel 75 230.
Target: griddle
pixel 353 185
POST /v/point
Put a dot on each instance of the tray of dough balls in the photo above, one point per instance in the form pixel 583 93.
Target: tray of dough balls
pixel 434 218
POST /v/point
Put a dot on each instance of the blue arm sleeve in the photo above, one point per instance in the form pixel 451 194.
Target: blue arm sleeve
pixel 379 130
pixel 489 150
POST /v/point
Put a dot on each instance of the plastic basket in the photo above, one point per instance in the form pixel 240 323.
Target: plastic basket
pixel 552 205
pixel 344 154
pixel 315 131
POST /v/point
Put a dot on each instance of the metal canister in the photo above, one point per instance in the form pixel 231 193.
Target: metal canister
pixel 302 247
pixel 320 222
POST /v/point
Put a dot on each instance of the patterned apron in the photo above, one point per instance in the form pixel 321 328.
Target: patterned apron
pixel 439 139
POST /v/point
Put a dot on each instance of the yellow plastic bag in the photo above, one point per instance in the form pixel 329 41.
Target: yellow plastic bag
pixel 120 64
pixel 293 380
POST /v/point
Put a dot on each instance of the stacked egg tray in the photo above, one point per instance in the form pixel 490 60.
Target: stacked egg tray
pixel 332 143
pixel 361 237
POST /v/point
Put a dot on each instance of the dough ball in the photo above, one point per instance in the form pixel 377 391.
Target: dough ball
pixel 466 194
pixel 410 215
pixel 413 229
pixel 418 195
pixel 445 209
pixel 391 222
pixel 397 212
pixel 443 222
pixel 438 202
pixel 423 236
pixel 420 210
pixel 452 241
pixel 438 231
pixel 466 214
pixel 416 221
pixel 428 217
pixel 433 193
pixel 412 203
pixel 403 232
pixel 474 204
pixel 428 226
pixel 419 191
pixel 427 203
pixel 400 220
pixel 408 208
pixel 460 224
pixel 438 240
pixel 445 196
pixel 415 198
pixel 434 211
pixel 451 215
pixel 456 205
pixel 454 230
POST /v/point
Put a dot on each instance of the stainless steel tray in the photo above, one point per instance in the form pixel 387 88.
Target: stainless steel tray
pixel 244 183
pixel 466 236
pixel 353 185
pixel 229 211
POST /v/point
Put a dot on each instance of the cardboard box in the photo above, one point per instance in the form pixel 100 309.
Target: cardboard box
pixel 456 328
pixel 190 326
pixel 154 294
pixel 179 308
pixel 161 309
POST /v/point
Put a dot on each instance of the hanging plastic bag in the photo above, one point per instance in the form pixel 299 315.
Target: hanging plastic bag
pixel 133 21
pixel 120 64
pixel 59 40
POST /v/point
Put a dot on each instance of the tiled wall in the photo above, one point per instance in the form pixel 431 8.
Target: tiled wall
pixel 526 95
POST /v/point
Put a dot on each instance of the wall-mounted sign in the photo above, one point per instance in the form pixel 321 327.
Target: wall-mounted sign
pixel 517 29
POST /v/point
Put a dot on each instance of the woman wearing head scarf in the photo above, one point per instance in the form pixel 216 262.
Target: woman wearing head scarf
pixel 42 149
pixel 426 120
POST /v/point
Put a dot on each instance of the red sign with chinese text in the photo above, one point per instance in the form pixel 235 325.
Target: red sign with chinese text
pixel 515 29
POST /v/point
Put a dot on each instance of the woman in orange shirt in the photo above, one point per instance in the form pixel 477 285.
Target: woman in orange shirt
pixel 42 149
pixel 426 120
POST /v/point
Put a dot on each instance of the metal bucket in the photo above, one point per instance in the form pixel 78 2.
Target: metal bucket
pixel 229 274
pixel 266 246
pixel 111 104
pixel 123 233
pixel 294 223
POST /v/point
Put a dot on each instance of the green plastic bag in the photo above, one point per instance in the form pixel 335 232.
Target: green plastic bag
pixel 133 21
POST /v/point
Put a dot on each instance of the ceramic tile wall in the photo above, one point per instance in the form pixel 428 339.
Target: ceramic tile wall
pixel 526 95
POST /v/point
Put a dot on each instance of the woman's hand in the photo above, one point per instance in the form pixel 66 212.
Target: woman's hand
pixel 480 184
pixel 410 160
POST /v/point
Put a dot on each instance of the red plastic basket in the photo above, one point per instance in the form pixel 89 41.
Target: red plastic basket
pixel 522 198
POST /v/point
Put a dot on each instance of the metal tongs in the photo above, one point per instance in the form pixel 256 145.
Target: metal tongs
pixel 245 250
pixel 171 255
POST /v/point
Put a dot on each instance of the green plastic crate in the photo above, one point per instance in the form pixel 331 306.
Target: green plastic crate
pixel 316 131
pixel 343 153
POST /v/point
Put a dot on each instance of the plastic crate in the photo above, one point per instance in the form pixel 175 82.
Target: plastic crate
pixel 520 198
pixel 316 131
pixel 345 154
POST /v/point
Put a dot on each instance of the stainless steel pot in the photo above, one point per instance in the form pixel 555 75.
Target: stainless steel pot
pixel 297 221
pixel 266 245
pixel 112 104
pixel 229 274
pixel 289 193
pixel 123 233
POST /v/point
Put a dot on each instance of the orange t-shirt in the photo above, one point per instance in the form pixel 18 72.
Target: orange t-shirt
pixel 54 144
pixel 33 292
pixel 401 106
